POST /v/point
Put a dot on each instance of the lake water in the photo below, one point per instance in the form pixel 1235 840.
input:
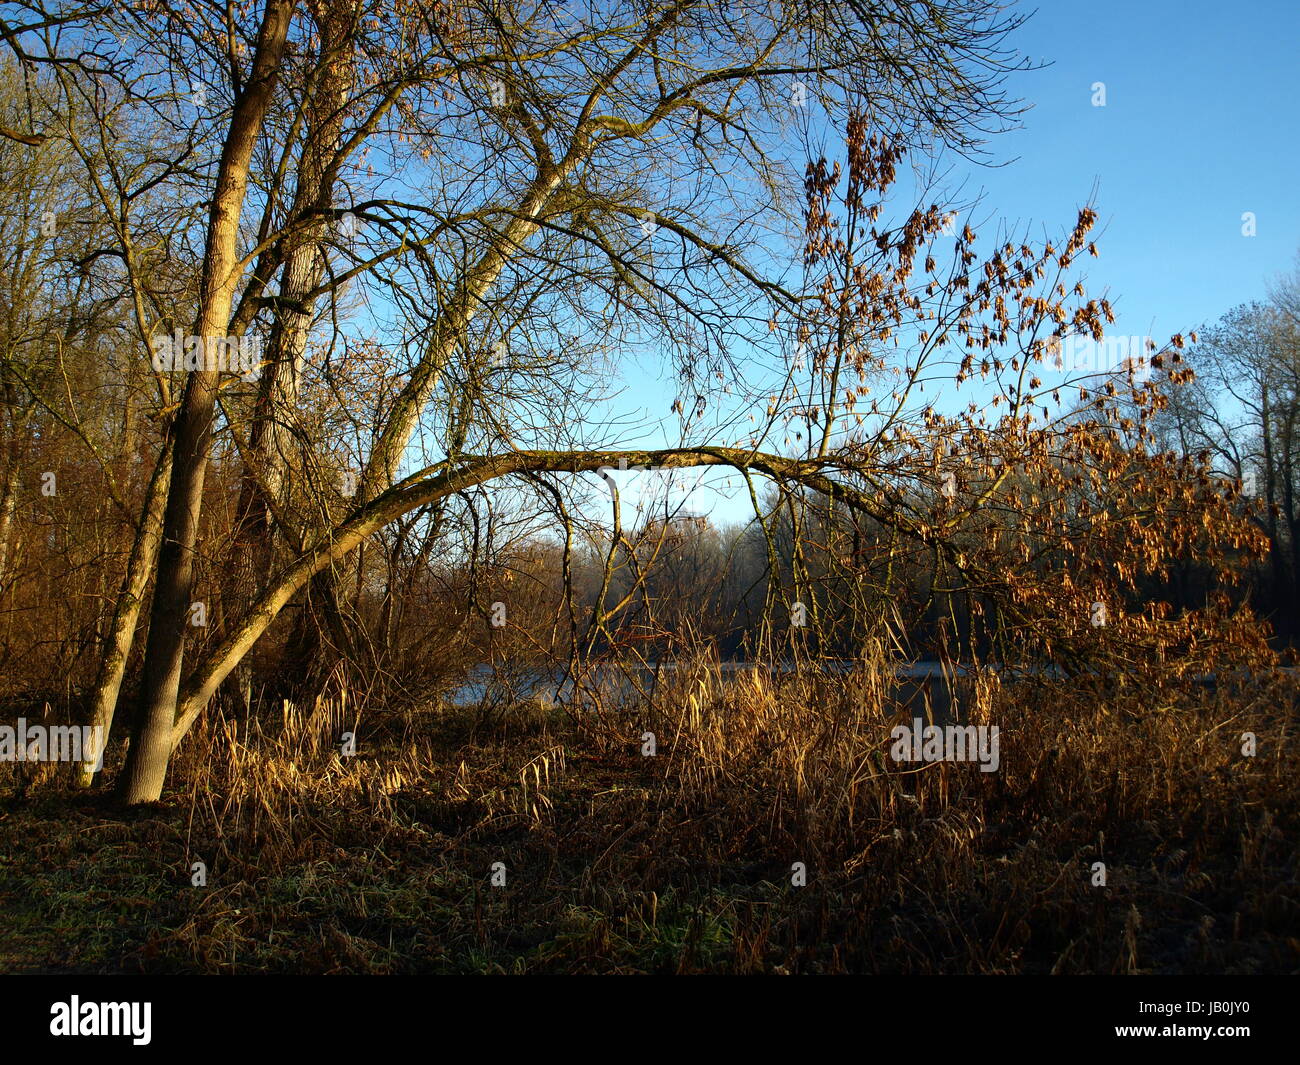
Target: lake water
pixel 919 684
pixel 922 686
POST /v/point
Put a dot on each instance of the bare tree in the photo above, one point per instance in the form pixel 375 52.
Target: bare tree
pixel 555 115
pixel 1241 412
pixel 454 226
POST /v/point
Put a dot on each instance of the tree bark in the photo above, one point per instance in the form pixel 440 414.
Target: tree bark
pixel 8 507
pixel 9 476
pixel 302 253
pixel 151 745
pixel 126 613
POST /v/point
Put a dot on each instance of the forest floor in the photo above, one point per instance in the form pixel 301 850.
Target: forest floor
pixel 613 861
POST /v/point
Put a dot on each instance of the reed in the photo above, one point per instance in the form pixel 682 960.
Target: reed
pixel 616 861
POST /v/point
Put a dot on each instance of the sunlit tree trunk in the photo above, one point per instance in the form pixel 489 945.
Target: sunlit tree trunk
pixel 151 745
pixel 270 438
pixel 10 474
pixel 126 614
pixel 8 507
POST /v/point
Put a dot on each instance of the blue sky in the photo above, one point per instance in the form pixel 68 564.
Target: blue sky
pixel 1199 126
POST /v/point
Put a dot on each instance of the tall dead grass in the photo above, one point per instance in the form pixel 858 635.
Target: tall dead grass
pixel 618 861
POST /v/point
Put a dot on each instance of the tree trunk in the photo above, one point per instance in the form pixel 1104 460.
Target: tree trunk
pixel 303 253
pixel 117 648
pixel 151 742
pixel 8 506
pixel 9 476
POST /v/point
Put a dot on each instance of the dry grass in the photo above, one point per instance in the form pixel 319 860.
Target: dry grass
pixel 616 862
